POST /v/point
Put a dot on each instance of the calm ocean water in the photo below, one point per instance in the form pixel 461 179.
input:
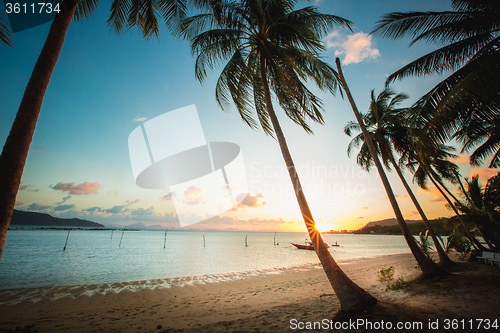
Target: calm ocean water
pixel 35 258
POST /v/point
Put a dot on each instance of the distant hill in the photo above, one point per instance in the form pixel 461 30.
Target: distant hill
pixel 388 222
pixel 33 218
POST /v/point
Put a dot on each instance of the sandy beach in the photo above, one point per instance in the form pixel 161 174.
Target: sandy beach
pixel 261 301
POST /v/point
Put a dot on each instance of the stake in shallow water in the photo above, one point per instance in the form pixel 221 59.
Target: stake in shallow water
pixel 112 234
pixel 165 242
pixel 122 237
pixel 246 244
pixel 66 241
pixel 203 240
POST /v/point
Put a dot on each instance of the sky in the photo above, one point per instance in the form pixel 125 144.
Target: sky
pixel 106 85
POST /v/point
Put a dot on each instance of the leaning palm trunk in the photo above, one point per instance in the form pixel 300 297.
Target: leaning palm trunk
pixel 17 145
pixel 470 236
pixel 486 239
pixel 350 295
pixel 443 258
pixel 427 266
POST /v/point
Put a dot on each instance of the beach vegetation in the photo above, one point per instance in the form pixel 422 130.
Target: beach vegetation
pixel 482 205
pixel 268 49
pixel 424 243
pixel 457 242
pixel 387 275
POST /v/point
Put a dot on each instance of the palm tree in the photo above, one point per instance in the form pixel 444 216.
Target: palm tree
pixel 429 160
pixel 268 46
pixel 385 125
pixel 470 34
pixel 482 204
pixel 125 14
pixel 5 32
pixel 426 265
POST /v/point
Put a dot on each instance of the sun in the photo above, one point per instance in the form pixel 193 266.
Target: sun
pixel 322 226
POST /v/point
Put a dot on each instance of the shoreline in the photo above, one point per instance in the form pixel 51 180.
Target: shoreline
pixel 120 307
pixel 263 302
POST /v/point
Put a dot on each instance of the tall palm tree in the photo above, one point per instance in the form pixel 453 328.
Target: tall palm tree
pixel 269 46
pixel 5 33
pixel 385 125
pixel 125 14
pixel 470 34
pixel 426 264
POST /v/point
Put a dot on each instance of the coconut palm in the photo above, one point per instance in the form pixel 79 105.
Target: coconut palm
pixel 125 14
pixel 385 125
pixel 426 265
pixel 482 204
pixel 5 33
pixel 470 34
pixel 268 47
pixel 429 160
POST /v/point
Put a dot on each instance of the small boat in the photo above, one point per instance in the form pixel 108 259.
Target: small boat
pixel 303 247
pixel 336 244
pixel 307 246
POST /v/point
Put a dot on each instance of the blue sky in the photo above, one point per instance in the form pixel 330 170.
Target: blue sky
pixel 105 85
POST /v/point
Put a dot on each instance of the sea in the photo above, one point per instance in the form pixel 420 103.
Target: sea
pixel 37 258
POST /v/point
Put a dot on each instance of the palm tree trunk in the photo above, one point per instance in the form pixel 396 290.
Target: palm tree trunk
pixel 17 145
pixel 471 237
pixel 443 258
pixel 350 295
pixel 427 266
pixel 486 239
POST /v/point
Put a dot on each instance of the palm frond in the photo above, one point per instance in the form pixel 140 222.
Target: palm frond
pixel 5 32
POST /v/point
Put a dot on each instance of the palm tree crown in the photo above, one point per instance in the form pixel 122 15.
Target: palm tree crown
pixel 285 42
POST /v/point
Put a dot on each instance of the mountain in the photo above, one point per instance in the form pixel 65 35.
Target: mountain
pixel 33 218
pixel 388 222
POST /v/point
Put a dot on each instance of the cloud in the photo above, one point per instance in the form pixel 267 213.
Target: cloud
pixel 115 209
pixel 433 191
pixel 25 187
pixel 112 192
pixel 484 174
pixel 142 211
pixel 35 207
pixel 168 196
pixel 248 200
pixel 140 118
pixel 460 159
pixel 359 217
pixel 37 149
pixel 83 188
pixel 18 203
pixel 61 208
pixel 355 47
pixel 64 199
pixel 193 195
pixel 364 207
pixel 133 202
pixel 93 209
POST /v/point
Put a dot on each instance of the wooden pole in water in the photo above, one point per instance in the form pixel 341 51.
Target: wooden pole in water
pixel 165 242
pixel 203 240
pixel 275 238
pixel 122 237
pixel 112 234
pixel 246 244
pixel 66 241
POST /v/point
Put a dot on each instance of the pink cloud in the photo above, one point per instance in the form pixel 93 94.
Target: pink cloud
pixel 356 47
pixel 460 159
pixel 133 202
pixel 484 174
pixel 83 188
pixel 194 195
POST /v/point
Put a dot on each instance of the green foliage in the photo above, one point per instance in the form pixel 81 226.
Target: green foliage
pixel 424 243
pixel 457 242
pixel 387 275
